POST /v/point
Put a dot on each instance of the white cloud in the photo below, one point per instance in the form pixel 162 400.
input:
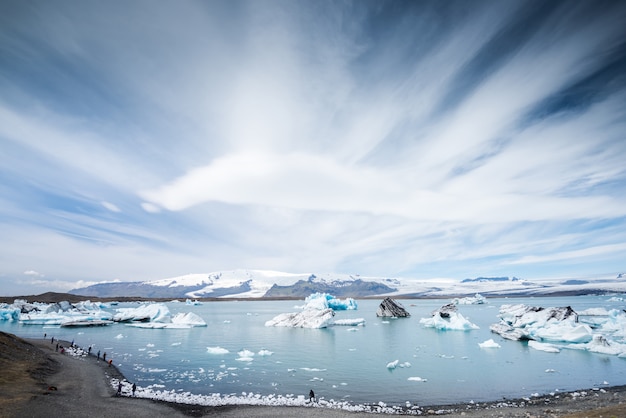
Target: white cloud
pixel 111 207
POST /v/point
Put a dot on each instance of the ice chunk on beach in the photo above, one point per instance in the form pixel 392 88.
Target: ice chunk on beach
pixel 309 318
pixel 490 343
pixel 447 318
pixel 324 301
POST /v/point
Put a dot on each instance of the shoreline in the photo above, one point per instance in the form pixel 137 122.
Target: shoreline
pixel 85 386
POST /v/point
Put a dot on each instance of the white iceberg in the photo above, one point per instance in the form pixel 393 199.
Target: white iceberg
pixel 188 319
pixel 548 348
pixel 217 350
pixel 62 313
pixel 477 299
pixel 490 343
pixel 392 364
pixel 309 318
pixel 151 312
pixel 355 322
pixel 447 318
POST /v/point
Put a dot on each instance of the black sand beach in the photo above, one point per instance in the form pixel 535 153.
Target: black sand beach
pixel 37 381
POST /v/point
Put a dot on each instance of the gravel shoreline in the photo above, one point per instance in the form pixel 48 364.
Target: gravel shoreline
pixel 81 386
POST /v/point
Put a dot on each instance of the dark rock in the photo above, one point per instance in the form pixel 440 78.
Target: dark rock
pixel 446 310
pixel 390 308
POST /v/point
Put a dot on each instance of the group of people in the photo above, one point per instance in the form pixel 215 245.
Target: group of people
pixel 104 358
pixel 119 388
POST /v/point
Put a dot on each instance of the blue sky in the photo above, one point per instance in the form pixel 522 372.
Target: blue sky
pixel 144 140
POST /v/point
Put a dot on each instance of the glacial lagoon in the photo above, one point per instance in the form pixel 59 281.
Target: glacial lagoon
pixel 237 354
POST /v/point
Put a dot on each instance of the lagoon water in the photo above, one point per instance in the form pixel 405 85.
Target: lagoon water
pixel 345 363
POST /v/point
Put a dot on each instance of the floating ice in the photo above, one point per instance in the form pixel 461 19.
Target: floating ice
pixel 447 318
pixel 309 318
pixel 477 299
pixel 188 318
pixel 119 336
pixel 490 343
pixel 393 364
pixel 548 348
pixel 265 352
pixel 417 379
pixel 217 350
pixel 245 355
pixel 324 301
pixel 150 312
pixel 350 322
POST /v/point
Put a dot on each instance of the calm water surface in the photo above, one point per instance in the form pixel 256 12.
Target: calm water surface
pixel 346 363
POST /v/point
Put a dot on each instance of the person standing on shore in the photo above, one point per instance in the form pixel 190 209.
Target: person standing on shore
pixel 98 357
pixel 119 388
pixel 104 356
pixel 134 388
pixel 311 396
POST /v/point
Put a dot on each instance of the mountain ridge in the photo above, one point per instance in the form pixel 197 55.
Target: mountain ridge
pixel 248 284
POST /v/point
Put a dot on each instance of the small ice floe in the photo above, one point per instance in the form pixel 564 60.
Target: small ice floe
pixel 548 348
pixel 265 352
pixel 119 336
pixel 245 355
pixel 550 371
pixel 490 343
pixel 417 379
pixel 392 364
pixel 217 350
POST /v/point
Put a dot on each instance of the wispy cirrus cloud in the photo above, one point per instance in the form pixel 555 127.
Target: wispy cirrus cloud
pixel 405 138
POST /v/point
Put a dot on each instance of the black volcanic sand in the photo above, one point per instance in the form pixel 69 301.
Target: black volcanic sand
pixel 37 381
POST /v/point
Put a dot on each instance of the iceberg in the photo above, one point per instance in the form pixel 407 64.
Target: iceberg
pixel 62 314
pixel 188 319
pixel 355 322
pixel 309 318
pixel 477 299
pixel 9 312
pixel 324 301
pixel 548 348
pixel 216 350
pixel 447 318
pixel 490 343
pixel 151 312
pixel 522 322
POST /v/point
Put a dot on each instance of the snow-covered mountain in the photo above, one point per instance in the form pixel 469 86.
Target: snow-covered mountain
pixel 265 284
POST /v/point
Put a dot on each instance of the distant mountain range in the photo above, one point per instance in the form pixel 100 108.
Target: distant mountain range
pixel 272 284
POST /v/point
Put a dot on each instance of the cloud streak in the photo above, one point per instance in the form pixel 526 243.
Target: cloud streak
pixel 417 139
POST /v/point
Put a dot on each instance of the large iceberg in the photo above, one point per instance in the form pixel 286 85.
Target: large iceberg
pixel 447 318
pixel 62 313
pixel 308 318
pixel 551 329
pixel 151 312
pixel 522 322
pixel 325 300
pixel 157 315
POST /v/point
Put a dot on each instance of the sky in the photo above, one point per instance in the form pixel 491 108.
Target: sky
pixel 422 139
